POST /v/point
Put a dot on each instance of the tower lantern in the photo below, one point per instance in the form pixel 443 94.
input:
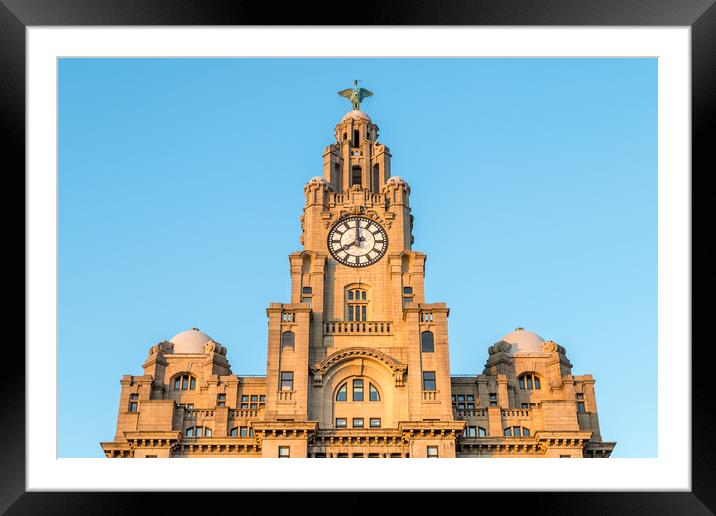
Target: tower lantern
pixel 356 160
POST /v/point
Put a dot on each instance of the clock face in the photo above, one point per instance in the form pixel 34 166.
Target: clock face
pixel 357 241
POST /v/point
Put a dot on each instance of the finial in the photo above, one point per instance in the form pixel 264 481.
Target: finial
pixel 355 94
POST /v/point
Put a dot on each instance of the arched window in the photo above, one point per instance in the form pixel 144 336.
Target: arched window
pixel 357 304
pixel 342 393
pixel 474 431
pixel 234 432
pixel 287 340
pixel 198 431
pixel 184 381
pixel 427 342
pixel 357 391
pixel 516 431
pixel 374 394
pixel 529 381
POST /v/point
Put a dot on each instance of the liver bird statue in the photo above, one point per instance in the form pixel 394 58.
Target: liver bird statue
pixel 355 94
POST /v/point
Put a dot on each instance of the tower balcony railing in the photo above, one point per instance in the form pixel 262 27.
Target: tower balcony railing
pixel 515 413
pixel 243 413
pixel 357 328
pixel 465 413
pixel 364 195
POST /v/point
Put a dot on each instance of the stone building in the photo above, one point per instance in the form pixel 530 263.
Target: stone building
pixel 357 362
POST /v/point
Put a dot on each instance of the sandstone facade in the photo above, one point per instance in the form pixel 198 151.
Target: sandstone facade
pixel 357 362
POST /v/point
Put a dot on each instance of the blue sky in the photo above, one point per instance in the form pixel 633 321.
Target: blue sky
pixel 534 191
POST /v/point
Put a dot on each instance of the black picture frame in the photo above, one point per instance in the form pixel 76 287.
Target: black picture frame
pixel 699 15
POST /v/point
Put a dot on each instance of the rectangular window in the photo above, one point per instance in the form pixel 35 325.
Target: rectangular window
pixel 221 400
pixel 493 399
pixel 358 422
pixel 481 432
pixel 284 452
pixel 428 380
pixel 133 402
pixel 580 407
pixel 363 313
pixel 286 380
pixel 356 176
pixel 472 431
pixel 244 431
pixel 461 398
pixel 470 405
pixel 526 405
pixel 357 390
pixel 432 452
pixel 341 422
pixel 470 397
pixel 375 422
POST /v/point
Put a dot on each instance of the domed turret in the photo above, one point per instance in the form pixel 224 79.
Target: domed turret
pixel 356 115
pixel 190 341
pixel 523 341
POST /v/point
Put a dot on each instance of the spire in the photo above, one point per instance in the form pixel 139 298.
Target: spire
pixel 356 94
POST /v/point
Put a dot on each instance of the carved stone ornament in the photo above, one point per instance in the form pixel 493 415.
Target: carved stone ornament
pixel 214 347
pixel 321 369
pixel 163 347
pixel 552 347
pixel 500 347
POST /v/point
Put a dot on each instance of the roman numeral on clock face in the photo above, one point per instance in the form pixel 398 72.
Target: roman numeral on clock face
pixel 366 239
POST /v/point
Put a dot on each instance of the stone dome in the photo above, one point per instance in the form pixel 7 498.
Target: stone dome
pixel 396 180
pixel 523 341
pixel 190 341
pixel 356 114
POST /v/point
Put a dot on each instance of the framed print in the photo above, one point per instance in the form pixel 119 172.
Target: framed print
pixel 175 156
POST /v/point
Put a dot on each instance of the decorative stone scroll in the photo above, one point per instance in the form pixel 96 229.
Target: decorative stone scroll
pixel 214 347
pixel 163 347
pixel 551 347
pixel 500 347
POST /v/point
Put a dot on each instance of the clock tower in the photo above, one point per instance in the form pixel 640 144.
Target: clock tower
pixel 357 361
pixel 376 353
